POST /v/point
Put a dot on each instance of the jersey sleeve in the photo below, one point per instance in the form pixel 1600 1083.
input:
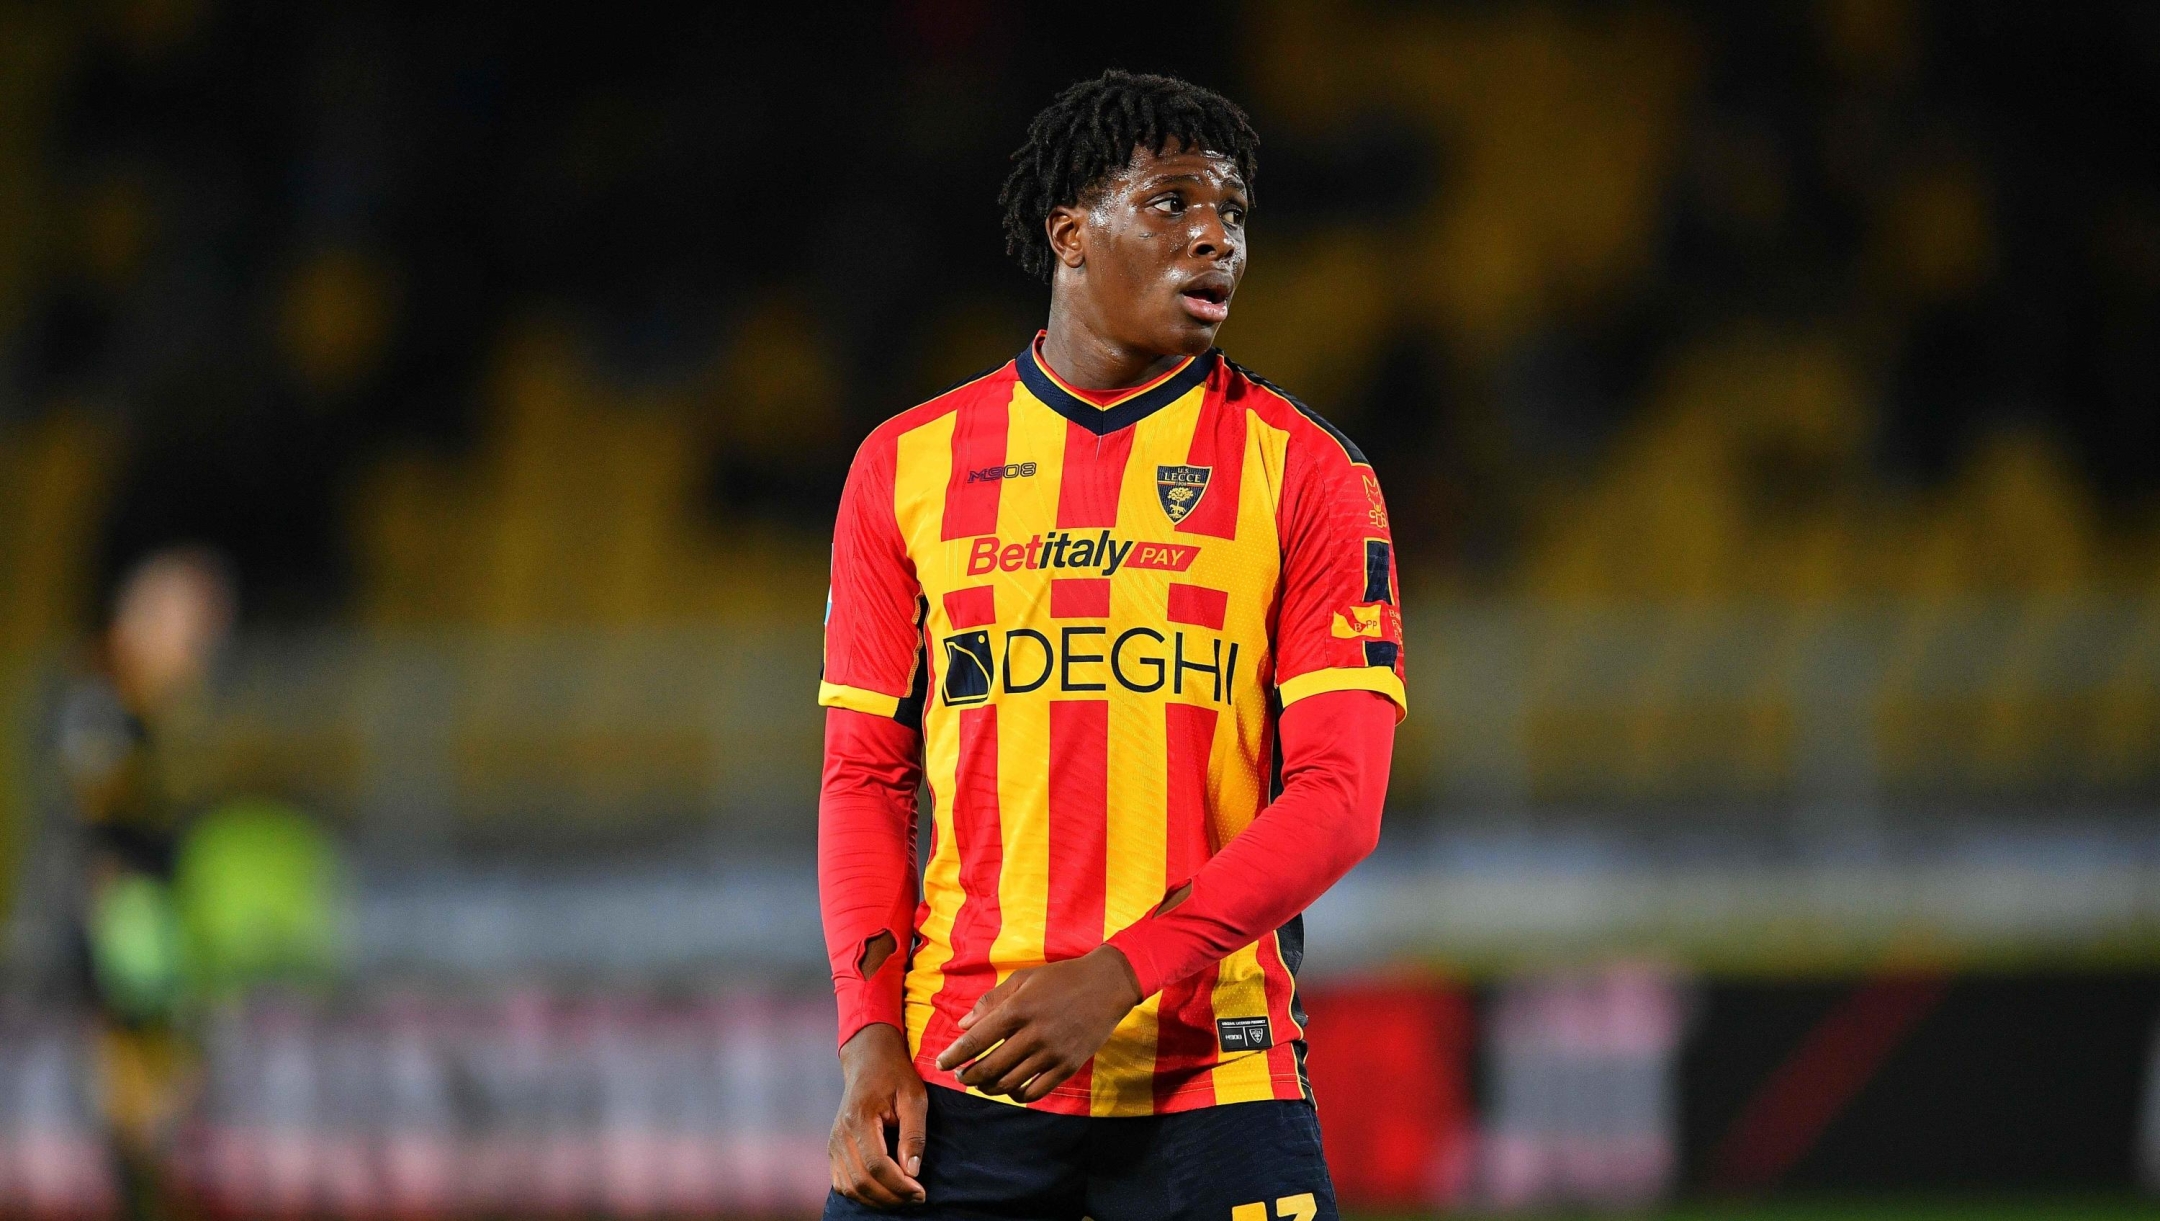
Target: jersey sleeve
pixel 873 610
pixel 1340 625
pixel 1335 756
pixel 866 863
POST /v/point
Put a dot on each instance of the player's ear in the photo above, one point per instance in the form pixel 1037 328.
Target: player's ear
pixel 1064 227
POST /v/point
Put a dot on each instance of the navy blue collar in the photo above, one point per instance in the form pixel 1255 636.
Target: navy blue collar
pixel 1103 421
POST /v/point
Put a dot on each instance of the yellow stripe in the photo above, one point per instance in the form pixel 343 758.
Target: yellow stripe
pixel 1026 507
pixel 1135 844
pixel 1136 838
pixel 941 881
pixel 1241 991
pixel 876 703
pixel 1358 678
pixel 1123 1082
pixel 1249 568
pixel 923 466
pixel 1134 873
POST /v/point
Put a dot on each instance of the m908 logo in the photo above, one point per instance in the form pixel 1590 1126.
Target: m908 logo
pixel 1011 470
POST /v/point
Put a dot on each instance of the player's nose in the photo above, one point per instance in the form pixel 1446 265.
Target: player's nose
pixel 1211 239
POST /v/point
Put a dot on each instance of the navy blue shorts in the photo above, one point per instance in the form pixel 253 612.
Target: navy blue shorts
pixel 1242 1161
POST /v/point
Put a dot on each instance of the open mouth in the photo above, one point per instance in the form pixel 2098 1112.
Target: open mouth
pixel 1207 302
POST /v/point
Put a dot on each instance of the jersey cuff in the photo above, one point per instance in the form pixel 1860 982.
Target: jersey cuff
pixel 867 1002
pixel 856 699
pixel 1378 679
pixel 1134 943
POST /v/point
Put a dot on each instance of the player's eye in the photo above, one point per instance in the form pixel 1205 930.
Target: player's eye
pixel 1232 214
pixel 1168 205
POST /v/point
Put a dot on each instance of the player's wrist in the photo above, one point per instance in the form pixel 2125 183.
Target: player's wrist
pixel 1119 970
pixel 876 1043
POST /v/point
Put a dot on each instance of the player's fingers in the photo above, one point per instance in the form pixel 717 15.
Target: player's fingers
pixel 993 1026
pixel 1046 1079
pixel 847 1166
pixel 914 1108
pixel 1000 1060
pixel 886 1174
pixel 991 1000
pixel 840 1155
pixel 870 1145
pixel 1011 1081
pixel 877 1181
pixel 847 1175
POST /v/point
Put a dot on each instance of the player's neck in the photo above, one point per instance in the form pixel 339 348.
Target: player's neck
pixel 1082 356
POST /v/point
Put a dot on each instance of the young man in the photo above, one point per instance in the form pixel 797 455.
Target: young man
pixel 1108 598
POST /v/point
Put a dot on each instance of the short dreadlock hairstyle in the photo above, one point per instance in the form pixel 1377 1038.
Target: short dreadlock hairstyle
pixel 1091 132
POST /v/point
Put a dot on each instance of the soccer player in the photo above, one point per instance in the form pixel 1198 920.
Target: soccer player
pixel 1133 614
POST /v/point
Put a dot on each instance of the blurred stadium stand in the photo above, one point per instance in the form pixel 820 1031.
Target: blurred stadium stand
pixel 1769 404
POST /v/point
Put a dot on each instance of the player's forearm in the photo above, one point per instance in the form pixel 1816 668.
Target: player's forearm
pixel 866 862
pixel 1336 750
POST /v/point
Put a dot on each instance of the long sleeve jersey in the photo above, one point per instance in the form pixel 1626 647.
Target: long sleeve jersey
pixel 1096 615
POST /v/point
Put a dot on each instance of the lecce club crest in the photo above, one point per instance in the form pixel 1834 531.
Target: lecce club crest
pixel 1180 489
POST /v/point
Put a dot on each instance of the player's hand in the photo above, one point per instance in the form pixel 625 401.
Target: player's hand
pixel 1050 1020
pixel 883 1091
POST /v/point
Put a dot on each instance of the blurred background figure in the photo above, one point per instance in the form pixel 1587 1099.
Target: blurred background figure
pixel 171 617
pixel 155 898
pixel 419 438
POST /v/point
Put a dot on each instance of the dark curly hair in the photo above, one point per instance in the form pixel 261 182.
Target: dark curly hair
pixel 1091 132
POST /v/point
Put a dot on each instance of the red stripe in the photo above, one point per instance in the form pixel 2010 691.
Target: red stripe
pixel 1094 471
pixel 971 607
pixel 1082 1082
pixel 1281 1058
pixel 978 443
pixel 863 648
pixel 977 837
pixel 1792 1109
pixel 1079 822
pixel 1071 1095
pixel 1189 733
pixel 1185 1043
pixel 1080 598
pixel 1219 444
pixel 1198 605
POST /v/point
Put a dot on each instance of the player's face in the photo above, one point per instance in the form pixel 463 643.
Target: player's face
pixel 1161 250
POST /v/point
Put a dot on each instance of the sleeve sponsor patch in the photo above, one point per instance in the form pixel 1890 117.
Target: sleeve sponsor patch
pixel 1360 622
pixel 1378 560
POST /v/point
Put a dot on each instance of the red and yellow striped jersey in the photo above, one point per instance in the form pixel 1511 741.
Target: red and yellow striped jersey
pixel 1096 612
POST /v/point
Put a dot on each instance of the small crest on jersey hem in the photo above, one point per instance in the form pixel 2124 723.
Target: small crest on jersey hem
pixel 1244 1034
pixel 1180 488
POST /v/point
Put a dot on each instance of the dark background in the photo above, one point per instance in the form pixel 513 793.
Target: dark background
pixel 1767 398
pixel 1962 199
